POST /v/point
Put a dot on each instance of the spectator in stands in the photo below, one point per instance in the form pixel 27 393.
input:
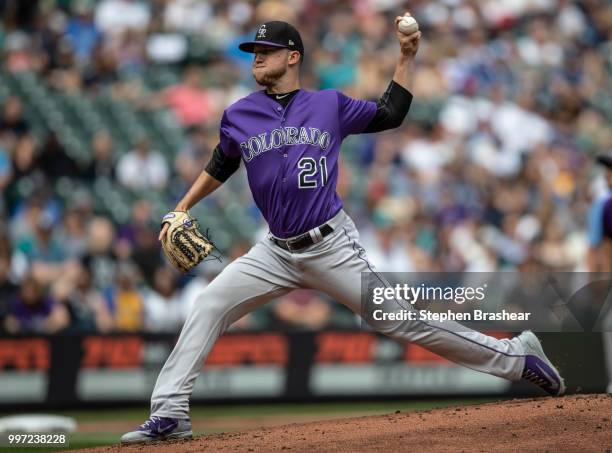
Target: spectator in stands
pixel 81 31
pixel 127 303
pixel 143 169
pixel 101 73
pixel 68 80
pixel 73 233
pixel 130 52
pixel 189 101
pixel 384 242
pixel 26 216
pixel 43 250
pixel 32 311
pixel 24 157
pixel 54 159
pixel 140 235
pixel 6 170
pixel 102 164
pixel 194 155
pixel 555 248
pixel 113 17
pixel 187 16
pixel 59 49
pixel 88 310
pixel 12 120
pixel 164 309
pixel 19 54
pixel 8 285
pixel 100 257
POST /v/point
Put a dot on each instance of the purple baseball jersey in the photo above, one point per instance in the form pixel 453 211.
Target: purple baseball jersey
pixel 291 154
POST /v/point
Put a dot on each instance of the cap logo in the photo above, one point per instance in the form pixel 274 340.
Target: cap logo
pixel 291 43
pixel 261 33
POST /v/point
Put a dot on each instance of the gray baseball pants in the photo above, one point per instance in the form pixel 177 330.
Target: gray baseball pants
pixel 334 266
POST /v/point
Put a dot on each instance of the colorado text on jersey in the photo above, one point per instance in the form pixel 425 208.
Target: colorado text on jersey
pixel 289 135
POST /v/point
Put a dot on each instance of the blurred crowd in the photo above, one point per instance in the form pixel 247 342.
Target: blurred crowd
pixel 491 171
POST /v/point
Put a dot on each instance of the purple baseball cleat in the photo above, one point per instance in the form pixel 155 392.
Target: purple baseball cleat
pixel 538 369
pixel 159 428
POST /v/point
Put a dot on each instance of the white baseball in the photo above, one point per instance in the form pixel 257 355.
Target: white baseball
pixel 408 25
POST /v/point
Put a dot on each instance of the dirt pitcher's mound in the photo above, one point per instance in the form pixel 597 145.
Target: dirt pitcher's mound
pixel 574 423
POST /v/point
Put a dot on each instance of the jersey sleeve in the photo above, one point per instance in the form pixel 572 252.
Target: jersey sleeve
pixel 354 114
pixel 226 142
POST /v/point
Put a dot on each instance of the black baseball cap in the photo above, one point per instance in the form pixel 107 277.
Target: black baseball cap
pixel 275 33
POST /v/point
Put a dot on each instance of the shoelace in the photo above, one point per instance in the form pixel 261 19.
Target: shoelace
pixel 151 424
pixel 534 377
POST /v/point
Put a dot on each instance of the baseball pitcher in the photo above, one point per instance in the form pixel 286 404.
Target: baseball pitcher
pixel 289 141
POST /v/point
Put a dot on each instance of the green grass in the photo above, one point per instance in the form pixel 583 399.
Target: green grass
pixel 77 441
pixel 138 415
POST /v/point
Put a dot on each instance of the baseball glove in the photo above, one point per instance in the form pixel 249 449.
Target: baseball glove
pixel 184 244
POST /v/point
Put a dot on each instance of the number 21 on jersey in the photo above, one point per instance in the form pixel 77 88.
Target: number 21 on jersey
pixel 308 178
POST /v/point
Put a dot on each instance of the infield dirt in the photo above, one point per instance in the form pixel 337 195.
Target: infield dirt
pixel 572 423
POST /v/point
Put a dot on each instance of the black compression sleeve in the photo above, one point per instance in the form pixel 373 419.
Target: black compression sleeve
pixel 221 166
pixel 392 109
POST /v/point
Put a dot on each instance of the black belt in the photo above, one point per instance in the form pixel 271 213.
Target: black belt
pixel 302 241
